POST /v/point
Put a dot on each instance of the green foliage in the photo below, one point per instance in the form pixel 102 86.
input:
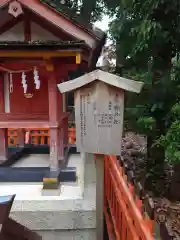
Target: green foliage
pixel 89 11
pixel 170 141
pixel 146 125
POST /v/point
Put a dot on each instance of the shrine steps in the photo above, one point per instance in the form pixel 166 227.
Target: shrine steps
pixel 70 215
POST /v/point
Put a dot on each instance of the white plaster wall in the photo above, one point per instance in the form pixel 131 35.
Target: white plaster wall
pixel 39 33
pixel 17 33
pixel 14 34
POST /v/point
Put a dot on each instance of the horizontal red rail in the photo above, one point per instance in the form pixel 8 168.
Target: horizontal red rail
pixel 38 136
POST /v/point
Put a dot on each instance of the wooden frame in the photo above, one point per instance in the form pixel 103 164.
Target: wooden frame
pixel 59 20
pixel 40 54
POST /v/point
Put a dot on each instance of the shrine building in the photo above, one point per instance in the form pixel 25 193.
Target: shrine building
pixel 41 45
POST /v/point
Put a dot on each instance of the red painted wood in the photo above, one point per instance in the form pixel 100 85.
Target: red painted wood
pixel 37 104
pixel 3 2
pixel 27 27
pixel 62 65
pixel 48 13
pixel 1 94
pixel 20 137
pixel 24 124
pixel 53 119
pixel 53 98
pixel 16 65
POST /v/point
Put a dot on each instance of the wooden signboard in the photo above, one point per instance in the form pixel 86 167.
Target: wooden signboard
pixel 99 110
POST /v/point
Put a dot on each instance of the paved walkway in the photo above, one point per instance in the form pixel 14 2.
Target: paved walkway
pixel 33 160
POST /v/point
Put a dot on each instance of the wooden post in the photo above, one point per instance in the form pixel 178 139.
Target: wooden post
pixel 61 143
pixel 3 144
pixel 65 121
pixel 99 196
pixel 20 137
pixel 54 140
pixel 53 117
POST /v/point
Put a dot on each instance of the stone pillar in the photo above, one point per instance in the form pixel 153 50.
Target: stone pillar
pixel 3 144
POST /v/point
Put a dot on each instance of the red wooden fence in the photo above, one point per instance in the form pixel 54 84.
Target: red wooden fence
pixel 38 136
pixel 123 211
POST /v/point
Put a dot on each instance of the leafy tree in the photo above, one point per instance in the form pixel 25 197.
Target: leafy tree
pixel 90 11
pixel 147 36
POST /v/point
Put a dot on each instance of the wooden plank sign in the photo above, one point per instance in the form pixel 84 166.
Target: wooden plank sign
pixel 99 110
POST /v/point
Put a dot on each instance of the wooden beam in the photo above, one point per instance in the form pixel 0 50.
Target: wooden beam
pixel 24 124
pixel 2 105
pixel 78 58
pixel 62 22
pixel 27 27
pixel 23 117
pixel 6 93
pixel 23 65
pixel 10 24
pixel 38 54
pixel 49 65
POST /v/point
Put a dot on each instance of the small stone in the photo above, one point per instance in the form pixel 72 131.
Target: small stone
pixel 128 145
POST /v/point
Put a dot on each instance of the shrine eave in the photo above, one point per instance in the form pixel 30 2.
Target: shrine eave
pixel 42 45
pixel 44 55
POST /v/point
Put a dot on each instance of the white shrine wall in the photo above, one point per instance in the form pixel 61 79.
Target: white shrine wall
pixel 16 33
pixel 39 33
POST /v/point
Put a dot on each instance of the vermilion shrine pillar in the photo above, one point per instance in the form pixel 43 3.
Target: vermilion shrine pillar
pixel 55 108
pixel 3 131
pixel 65 121
pixel 20 137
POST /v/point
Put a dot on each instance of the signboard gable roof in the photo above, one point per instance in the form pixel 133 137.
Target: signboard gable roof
pixel 109 78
